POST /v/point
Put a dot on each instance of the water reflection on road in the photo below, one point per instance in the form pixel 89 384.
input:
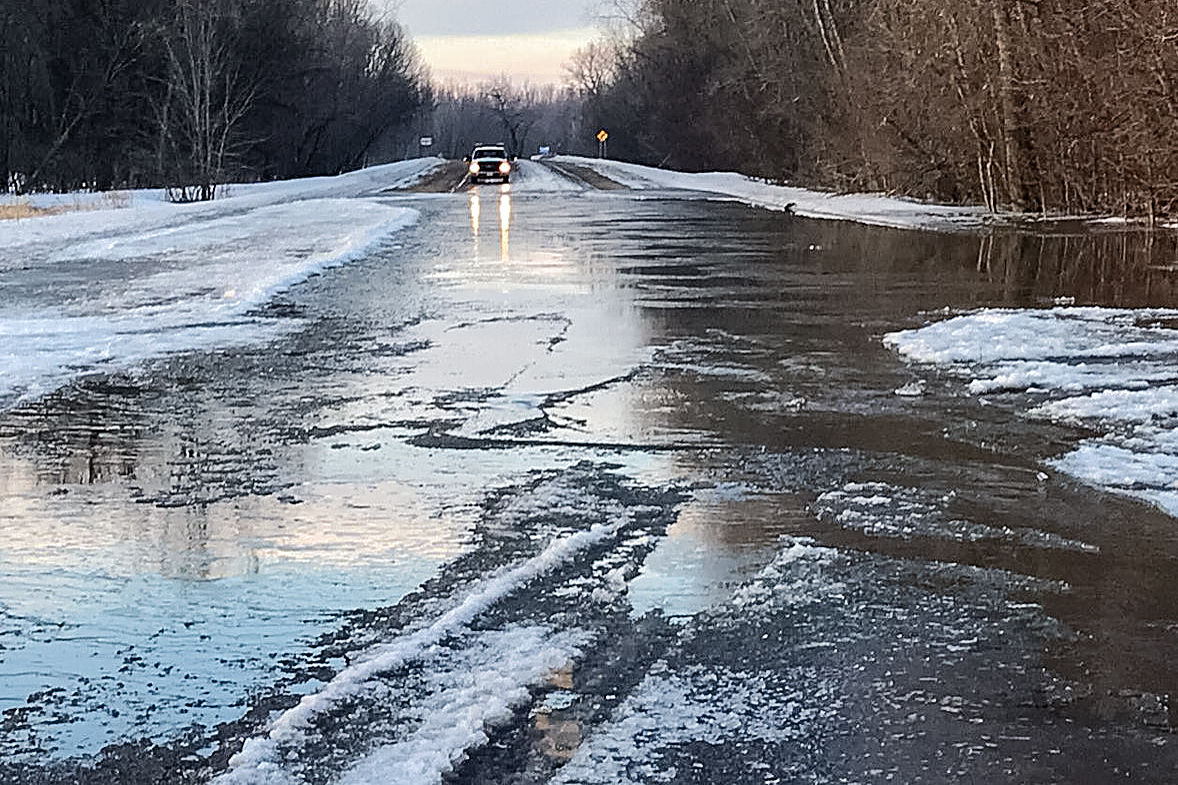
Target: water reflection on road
pixel 504 207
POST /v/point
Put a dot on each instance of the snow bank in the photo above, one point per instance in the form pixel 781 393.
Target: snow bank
pixel 215 273
pixel 1110 369
pixel 108 290
pixel 874 209
pixel 148 209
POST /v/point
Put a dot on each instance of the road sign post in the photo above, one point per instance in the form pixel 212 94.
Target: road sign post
pixel 602 137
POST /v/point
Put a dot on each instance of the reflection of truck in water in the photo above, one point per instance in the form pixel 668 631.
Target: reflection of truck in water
pixel 489 162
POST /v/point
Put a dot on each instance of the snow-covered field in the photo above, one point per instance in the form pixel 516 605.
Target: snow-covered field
pixel 874 209
pixel 104 290
pixel 147 209
pixel 1113 370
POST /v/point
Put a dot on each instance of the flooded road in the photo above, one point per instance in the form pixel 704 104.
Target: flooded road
pixel 578 486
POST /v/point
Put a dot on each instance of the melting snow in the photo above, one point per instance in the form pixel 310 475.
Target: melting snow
pixel 875 209
pixel 1111 369
pixel 883 510
pixel 258 763
pixel 107 290
pixel 698 705
pixel 486 681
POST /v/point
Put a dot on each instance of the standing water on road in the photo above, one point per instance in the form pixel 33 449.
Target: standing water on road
pixel 540 483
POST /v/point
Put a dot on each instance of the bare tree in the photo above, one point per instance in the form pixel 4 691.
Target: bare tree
pixel 250 88
pixel 1064 104
pixel 515 109
pixel 112 52
pixel 592 69
pixel 205 99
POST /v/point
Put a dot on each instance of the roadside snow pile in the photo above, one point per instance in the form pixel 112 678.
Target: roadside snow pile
pixel 1110 369
pixel 147 209
pixel 107 290
pixel 874 209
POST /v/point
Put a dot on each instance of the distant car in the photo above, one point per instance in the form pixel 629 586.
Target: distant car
pixel 489 162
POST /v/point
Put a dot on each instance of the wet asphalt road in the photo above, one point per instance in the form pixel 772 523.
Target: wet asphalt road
pixel 808 562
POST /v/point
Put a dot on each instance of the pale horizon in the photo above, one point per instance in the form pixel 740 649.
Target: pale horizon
pixel 465 41
pixel 537 58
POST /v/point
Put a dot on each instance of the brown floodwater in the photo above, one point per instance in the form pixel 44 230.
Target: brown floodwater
pixel 179 540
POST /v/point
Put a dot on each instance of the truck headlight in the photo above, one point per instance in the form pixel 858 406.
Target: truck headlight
pixel 504 167
pixel 474 167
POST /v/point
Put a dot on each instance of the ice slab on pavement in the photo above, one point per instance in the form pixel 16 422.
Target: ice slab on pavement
pixel 533 177
pixel 1111 369
pixel 1064 336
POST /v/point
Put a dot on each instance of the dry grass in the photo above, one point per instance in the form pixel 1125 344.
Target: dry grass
pixel 110 200
pixel 22 209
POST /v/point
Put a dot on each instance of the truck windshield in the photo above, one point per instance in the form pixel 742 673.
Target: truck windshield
pixel 490 152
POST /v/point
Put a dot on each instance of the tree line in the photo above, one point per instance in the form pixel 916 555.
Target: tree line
pixel 1019 104
pixel 101 94
pixel 524 117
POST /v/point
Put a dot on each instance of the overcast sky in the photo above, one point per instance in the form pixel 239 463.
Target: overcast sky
pixel 500 17
pixel 473 40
